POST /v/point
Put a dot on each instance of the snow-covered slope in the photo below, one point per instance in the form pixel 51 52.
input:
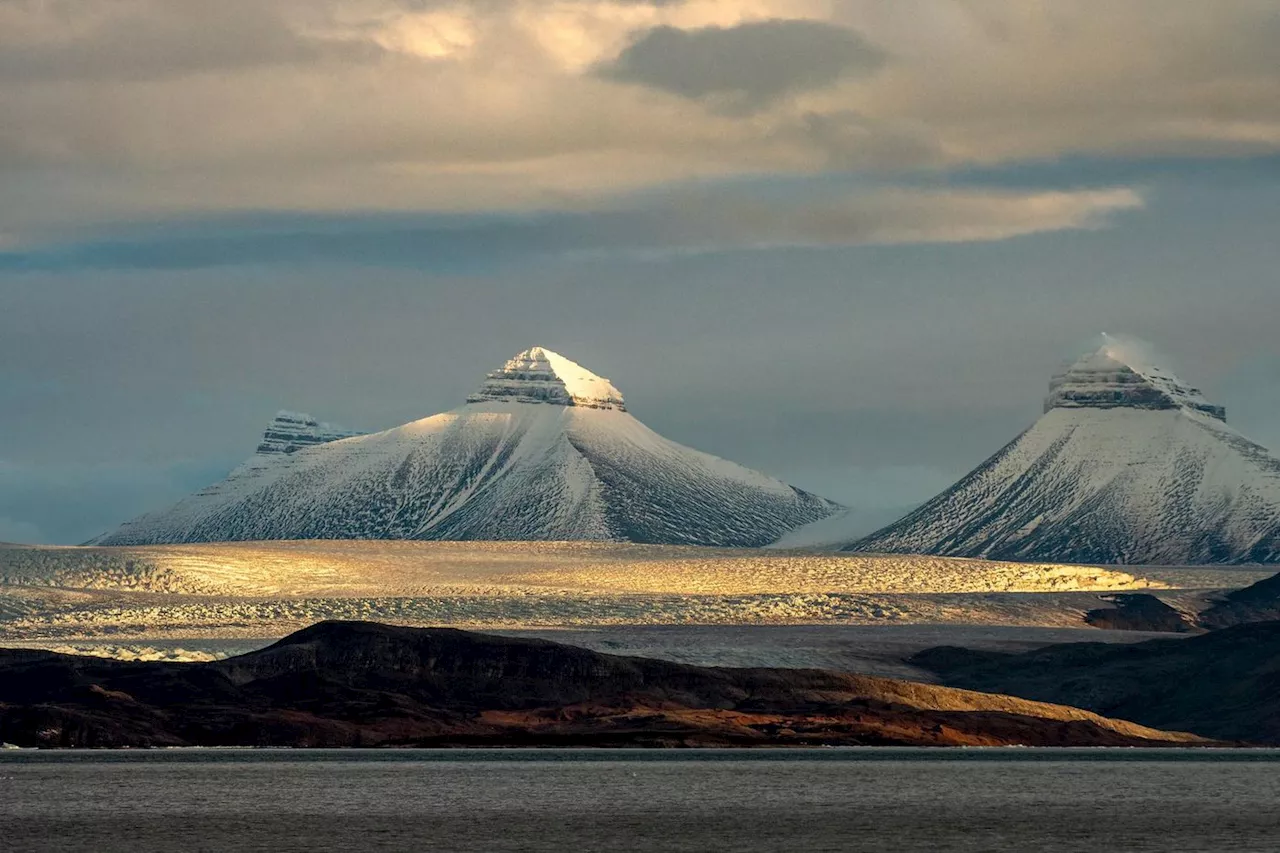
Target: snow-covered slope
pixel 1127 465
pixel 545 450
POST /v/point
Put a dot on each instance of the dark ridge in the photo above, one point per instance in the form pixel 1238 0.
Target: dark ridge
pixel 1224 684
pixel 1259 602
pixel 366 684
pixel 1139 611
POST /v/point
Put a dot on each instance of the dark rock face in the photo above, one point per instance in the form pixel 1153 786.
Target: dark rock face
pixel 1257 603
pixel 290 432
pixel 1224 684
pixel 538 375
pixel 1102 380
pixel 363 684
pixel 1139 612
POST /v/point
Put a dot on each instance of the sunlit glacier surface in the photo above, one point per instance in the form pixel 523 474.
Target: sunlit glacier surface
pixel 197 599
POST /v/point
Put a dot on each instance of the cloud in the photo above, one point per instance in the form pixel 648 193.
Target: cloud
pixel 158 108
pixel 748 64
pixel 146 40
pixel 677 221
pixel 956 216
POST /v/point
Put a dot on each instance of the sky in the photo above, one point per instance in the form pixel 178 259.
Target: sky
pixel 844 242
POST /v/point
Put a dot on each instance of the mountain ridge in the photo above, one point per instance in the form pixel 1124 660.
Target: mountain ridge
pixel 1223 684
pixel 367 684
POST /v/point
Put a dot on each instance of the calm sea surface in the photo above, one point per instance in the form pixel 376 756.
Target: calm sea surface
pixel 697 800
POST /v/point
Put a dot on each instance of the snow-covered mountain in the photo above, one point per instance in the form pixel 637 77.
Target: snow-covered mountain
pixel 545 450
pixel 1127 465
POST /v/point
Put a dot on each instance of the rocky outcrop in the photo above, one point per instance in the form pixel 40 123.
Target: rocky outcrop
pixel 1139 611
pixel 1222 684
pixel 290 432
pixel 1114 376
pixel 1259 602
pixel 539 375
pixel 364 684
pixel 1208 611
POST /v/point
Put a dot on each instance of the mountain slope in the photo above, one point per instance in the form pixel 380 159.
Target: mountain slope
pixel 545 450
pixel 364 684
pixel 1259 602
pixel 1225 684
pixel 1127 465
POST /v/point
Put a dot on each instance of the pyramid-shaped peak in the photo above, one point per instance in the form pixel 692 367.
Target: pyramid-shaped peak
pixel 289 432
pixel 1121 373
pixel 539 375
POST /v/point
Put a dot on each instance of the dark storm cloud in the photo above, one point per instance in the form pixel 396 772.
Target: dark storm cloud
pixel 751 63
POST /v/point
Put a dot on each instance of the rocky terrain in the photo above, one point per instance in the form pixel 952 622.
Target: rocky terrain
pixel 365 684
pixel 1224 684
pixel 1259 602
pixel 290 432
pixel 1140 611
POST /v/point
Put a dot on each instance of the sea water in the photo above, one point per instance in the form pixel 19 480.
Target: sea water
pixel 638 800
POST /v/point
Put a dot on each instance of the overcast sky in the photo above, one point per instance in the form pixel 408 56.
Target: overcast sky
pixel 845 243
